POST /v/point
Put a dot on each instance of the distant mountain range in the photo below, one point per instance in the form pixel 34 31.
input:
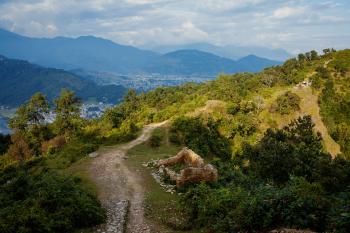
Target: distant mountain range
pixel 229 51
pixel 19 80
pixel 195 62
pixel 96 54
pixel 85 52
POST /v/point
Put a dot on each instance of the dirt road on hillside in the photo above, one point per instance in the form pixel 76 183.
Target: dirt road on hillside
pixel 119 187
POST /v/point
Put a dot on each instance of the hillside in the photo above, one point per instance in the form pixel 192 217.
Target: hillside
pixel 19 80
pixel 278 140
pixel 97 54
pixel 252 98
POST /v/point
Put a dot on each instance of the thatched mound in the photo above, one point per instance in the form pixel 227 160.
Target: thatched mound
pixel 185 156
pixel 195 172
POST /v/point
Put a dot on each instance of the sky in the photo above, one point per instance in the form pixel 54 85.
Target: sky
pixel 294 25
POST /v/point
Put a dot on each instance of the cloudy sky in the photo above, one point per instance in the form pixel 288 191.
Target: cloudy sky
pixel 295 25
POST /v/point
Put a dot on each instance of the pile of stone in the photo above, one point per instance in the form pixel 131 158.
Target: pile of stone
pixel 159 175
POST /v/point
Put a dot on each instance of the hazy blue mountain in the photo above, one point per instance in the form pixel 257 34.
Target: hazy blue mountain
pixel 229 51
pixel 19 80
pixel 186 62
pixel 254 63
pixel 96 54
pixel 86 52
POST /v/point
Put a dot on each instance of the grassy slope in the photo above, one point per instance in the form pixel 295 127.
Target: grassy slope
pixel 309 106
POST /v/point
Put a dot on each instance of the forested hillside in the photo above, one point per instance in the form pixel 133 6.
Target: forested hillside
pixel 19 80
pixel 279 139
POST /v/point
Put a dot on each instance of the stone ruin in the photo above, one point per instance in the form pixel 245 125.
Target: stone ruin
pixel 195 171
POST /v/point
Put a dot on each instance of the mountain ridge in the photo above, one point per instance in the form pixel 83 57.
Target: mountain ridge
pixel 99 54
pixel 192 61
pixel 229 51
pixel 21 79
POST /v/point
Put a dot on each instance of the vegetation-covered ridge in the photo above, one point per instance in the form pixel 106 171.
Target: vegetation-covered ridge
pixel 268 141
pixel 270 145
pixel 252 103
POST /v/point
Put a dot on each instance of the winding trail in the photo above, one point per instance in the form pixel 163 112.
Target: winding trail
pixel 120 188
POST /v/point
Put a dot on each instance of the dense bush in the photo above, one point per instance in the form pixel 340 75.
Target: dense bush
pixel 286 103
pixel 202 137
pixel 335 109
pixel 155 140
pixel 286 180
pixel 45 202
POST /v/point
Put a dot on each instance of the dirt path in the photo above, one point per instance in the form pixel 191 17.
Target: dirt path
pixel 119 187
pixel 309 106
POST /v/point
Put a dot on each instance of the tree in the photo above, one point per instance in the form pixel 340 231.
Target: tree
pixel 20 120
pixel 202 137
pixel 326 51
pixel 130 96
pixel 67 111
pixel 293 151
pixel 301 57
pixel 37 107
pixel 313 55
pixel 308 56
pixel 31 113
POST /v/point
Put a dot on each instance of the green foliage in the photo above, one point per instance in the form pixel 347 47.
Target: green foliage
pixel 45 202
pixel 202 137
pixel 292 151
pixel 334 98
pixel 233 108
pixel 284 181
pixel 286 103
pixel 155 141
pixel 67 108
pixel 30 113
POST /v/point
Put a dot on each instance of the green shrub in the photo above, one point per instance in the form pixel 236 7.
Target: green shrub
pixel 286 103
pixel 155 141
pixel 203 138
pixel 45 202
pixel 285 180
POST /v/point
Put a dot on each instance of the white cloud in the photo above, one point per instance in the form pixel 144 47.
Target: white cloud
pixel 137 22
pixel 285 12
